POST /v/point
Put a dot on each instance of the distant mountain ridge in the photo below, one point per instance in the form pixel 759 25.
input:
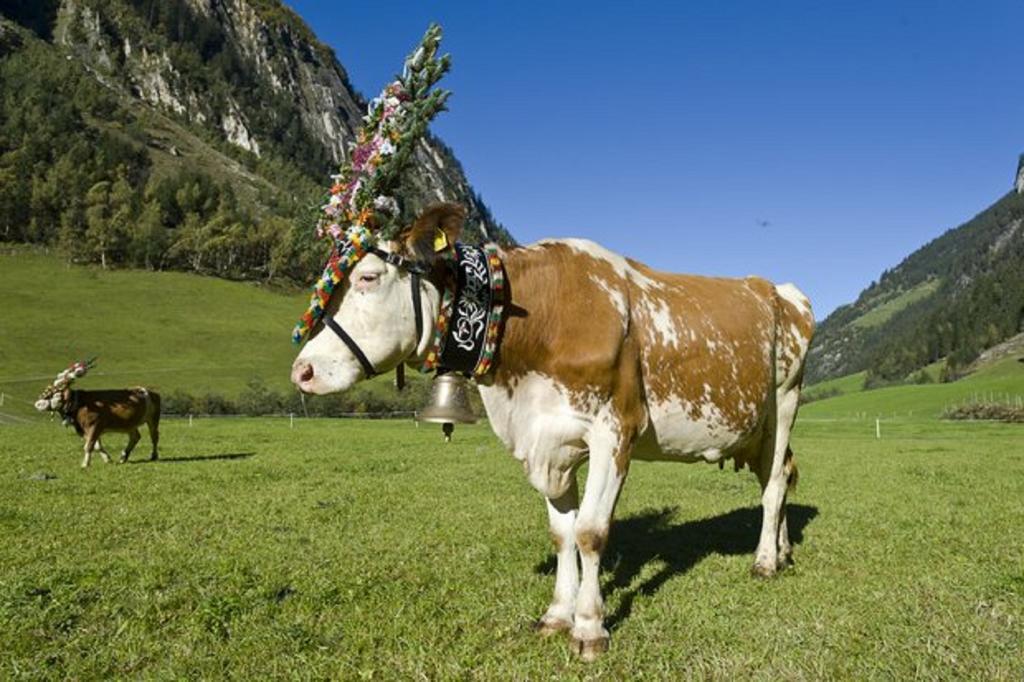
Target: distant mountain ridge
pixel 240 91
pixel 951 299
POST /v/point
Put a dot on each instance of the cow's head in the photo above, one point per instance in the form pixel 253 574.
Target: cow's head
pixel 374 306
pixel 53 399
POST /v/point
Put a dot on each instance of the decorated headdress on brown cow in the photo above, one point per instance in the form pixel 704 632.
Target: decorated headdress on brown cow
pixel 52 397
pixel 361 208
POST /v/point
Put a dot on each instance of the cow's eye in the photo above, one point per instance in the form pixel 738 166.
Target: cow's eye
pixel 367 279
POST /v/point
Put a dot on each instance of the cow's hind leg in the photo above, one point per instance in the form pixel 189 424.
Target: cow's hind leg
pixel 154 431
pixel 133 438
pixel 604 481
pixel 774 476
pixel 561 523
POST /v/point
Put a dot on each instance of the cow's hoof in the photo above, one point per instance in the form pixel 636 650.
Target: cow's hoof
pixel 589 649
pixel 785 562
pixel 545 627
pixel 153 457
pixel 762 572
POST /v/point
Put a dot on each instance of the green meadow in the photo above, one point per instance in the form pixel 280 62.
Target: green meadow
pixel 343 549
pixel 169 331
pixel 1002 381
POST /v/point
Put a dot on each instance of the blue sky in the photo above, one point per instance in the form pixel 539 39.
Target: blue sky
pixel 812 142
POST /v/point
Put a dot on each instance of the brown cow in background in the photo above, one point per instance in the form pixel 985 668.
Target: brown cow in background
pixel 94 413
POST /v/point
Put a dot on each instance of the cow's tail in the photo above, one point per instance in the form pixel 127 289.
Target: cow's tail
pixel 153 420
pixel 792 473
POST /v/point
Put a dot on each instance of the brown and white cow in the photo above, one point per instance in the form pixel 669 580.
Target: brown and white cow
pixel 94 413
pixel 606 360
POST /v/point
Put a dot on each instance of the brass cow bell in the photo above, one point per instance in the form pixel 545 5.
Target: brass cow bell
pixel 449 404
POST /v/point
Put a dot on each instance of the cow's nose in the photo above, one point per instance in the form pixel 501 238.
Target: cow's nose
pixel 302 374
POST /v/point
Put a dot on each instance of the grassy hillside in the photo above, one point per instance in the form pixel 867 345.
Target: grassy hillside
pixel 1001 381
pixel 883 312
pixel 851 383
pixel 166 330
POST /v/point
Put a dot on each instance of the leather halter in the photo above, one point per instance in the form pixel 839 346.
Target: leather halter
pixel 415 269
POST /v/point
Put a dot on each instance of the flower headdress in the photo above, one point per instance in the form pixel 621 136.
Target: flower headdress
pixel 360 208
pixel 52 397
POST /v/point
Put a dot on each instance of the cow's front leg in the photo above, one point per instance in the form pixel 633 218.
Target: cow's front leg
pixel 90 443
pixel 561 523
pixel 98 447
pixel 604 481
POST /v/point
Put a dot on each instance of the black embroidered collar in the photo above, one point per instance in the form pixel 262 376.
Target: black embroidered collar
pixel 470 321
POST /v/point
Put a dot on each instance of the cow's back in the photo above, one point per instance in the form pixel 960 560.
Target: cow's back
pixel 703 356
pixel 115 409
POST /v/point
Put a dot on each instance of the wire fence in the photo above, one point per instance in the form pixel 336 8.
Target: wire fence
pixel 132 372
pixel 292 417
pixel 9 400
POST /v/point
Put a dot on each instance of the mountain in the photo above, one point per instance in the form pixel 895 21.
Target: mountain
pixel 183 134
pixel 949 300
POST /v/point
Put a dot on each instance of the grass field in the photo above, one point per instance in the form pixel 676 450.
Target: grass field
pixel 165 329
pixel 356 549
pixel 1001 381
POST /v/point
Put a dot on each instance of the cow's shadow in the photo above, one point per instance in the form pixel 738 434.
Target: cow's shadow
pixel 650 536
pixel 195 458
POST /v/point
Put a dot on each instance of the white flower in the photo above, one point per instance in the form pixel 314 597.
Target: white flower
pixel 386 204
pixel 386 147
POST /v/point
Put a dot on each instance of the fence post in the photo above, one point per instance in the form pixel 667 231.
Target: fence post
pixel 190 421
pixel 291 420
pixel 878 428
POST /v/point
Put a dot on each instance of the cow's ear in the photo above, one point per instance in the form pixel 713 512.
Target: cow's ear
pixel 435 230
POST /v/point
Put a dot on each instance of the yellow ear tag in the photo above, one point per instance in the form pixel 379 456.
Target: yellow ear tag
pixel 440 240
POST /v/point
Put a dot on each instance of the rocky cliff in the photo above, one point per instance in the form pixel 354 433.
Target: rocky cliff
pixel 247 76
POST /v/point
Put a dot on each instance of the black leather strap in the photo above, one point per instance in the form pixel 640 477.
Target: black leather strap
pixel 415 267
pixel 352 346
pixel 417 307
